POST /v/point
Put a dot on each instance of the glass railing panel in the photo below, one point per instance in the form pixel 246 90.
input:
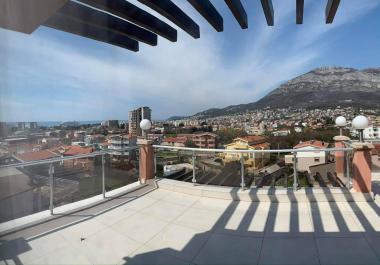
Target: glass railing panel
pixel 174 164
pixel 121 168
pixel 269 169
pixel 289 168
pixel 215 169
pixel 77 179
pixel 23 191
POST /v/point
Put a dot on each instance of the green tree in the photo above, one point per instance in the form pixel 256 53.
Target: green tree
pixel 190 143
pixel 227 135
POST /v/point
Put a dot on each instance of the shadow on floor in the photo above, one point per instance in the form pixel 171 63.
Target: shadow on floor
pixel 340 238
pixel 277 234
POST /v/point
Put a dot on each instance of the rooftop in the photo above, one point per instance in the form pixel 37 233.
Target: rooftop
pixel 313 143
pixel 162 226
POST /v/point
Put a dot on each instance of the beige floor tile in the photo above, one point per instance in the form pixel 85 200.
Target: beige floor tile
pixel 165 210
pixel 140 227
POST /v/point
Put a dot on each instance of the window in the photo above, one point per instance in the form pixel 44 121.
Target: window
pixel 316 159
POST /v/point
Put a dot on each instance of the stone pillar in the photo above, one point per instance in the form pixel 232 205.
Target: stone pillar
pixel 362 167
pixel 340 161
pixel 146 162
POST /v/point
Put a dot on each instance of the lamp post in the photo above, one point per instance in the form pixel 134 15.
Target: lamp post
pixel 340 122
pixel 145 125
pixel 360 123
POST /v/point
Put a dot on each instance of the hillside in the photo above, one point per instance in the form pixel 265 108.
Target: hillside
pixel 320 88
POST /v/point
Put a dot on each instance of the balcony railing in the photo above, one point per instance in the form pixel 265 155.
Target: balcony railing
pixel 41 185
pixel 256 168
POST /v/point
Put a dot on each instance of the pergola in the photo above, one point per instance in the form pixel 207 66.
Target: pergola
pixel 120 23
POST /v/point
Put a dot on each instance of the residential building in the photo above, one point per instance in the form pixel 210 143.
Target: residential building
pixel 372 132
pixel 174 141
pixel 250 142
pixel 4 129
pixel 307 159
pixel 135 117
pixel 118 143
pixel 284 132
pixel 205 140
pixel 111 123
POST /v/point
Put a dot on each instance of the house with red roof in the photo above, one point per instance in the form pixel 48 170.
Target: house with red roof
pixel 34 156
pixel 307 159
pixel 250 142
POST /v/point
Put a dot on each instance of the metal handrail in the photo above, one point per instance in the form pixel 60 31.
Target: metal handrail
pixel 251 151
pixel 293 151
pixel 64 158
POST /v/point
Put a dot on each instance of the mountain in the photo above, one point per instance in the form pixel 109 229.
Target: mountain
pixel 320 88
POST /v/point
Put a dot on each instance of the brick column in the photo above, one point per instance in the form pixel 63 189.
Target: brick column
pixel 340 161
pixel 362 167
pixel 146 162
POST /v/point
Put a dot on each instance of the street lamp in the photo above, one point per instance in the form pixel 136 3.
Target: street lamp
pixel 145 125
pixel 340 122
pixel 360 123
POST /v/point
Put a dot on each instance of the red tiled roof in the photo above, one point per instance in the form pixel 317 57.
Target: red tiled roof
pixel 33 156
pixel 253 139
pixel 314 143
pixel 261 146
pixel 78 150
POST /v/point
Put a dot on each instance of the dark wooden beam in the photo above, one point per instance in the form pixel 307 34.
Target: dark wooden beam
pixel 209 12
pixel 97 18
pixel 128 11
pixel 299 11
pixel 331 8
pixel 238 11
pixel 268 11
pixel 73 26
pixel 172 12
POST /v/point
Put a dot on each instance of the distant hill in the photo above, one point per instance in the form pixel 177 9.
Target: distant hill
pixel 320 88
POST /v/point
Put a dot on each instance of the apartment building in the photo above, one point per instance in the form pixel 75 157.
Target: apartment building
pixel 372 132
pixel 135 117
pixel 205 140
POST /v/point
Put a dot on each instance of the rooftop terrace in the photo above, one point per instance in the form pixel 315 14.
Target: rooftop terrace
pixel 155 225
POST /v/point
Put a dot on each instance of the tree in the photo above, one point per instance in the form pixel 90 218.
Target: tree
pixel 227 135
pixel 190 143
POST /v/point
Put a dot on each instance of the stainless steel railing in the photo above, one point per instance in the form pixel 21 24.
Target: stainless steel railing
pixel 296 184
pixel 51 169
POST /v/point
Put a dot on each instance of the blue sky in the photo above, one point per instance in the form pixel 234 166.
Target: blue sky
pixel 52 75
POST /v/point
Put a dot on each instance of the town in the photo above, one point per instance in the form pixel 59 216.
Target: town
pixel 257 130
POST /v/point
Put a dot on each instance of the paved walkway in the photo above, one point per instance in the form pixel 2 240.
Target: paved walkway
pixel 164 227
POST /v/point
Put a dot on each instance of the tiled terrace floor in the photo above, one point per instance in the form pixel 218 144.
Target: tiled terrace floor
pixel 164 227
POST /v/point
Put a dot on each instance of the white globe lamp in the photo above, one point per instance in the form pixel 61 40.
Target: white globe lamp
pixel 340 122
pixel 145 126
pixel 360 123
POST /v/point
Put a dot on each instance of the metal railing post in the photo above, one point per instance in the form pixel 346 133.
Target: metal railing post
pixel 103 177
pixel 295 184
pixel 155 163
pixel 194 180
pixel 242 184
pixel 348 173
pixel 51 184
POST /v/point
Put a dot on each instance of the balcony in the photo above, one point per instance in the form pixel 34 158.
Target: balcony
pixel 167 221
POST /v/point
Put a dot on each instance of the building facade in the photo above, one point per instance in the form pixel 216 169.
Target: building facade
pixel 135 117
pixel 251 160
pixel 205 140
pixel 305 160
pixel 372 132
